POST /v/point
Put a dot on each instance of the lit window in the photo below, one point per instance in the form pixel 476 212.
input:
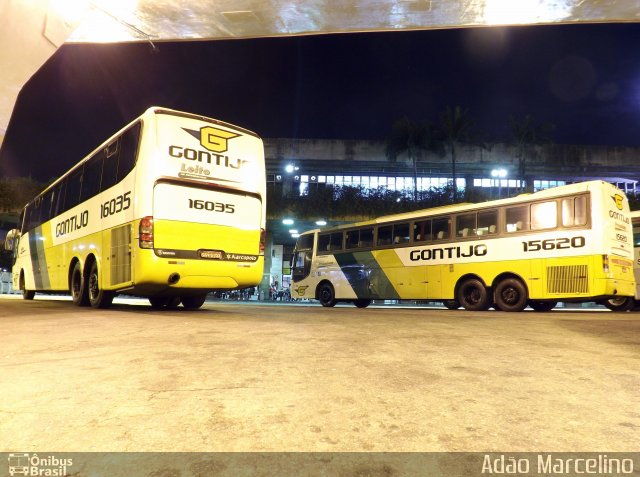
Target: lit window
pixel 543 215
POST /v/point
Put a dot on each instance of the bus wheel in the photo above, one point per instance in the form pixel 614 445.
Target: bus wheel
pixel 362 303
pixel 173 302
pixel 620 303
pixel 327 295
pixel 542 305
pixel 511 295
pixel 79 289
pixel 158 302
pixel 26 294
pixel 473 295
pixel 98 298
pixel 193 302
pixel 451 304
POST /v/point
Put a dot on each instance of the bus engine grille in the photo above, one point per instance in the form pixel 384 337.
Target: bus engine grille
pixel 568 279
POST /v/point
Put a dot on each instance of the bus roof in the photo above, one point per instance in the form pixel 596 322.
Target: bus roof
pixel 467 206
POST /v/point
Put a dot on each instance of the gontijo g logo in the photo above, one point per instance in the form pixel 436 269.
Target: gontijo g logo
pixel 213 139
pixel 215 143
pixel 619 200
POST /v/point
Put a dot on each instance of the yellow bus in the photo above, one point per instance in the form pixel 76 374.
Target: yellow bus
pixel 170 207
pixel 571 243
pixel 629 303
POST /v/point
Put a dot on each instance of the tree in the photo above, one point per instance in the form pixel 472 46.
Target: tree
pixel 525 134
pixel 408 137
pixel 455 128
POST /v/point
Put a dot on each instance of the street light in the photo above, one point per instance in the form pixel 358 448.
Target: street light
pixel 500 174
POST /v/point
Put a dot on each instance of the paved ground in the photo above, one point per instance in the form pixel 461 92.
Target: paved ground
pixel 248 377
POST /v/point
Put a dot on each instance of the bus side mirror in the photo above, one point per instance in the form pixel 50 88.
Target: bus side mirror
pixel 11 240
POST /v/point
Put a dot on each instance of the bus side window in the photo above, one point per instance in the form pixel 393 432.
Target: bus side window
pixel 401 233
pixel 72 197
pixel 110 169
pixel 384 235
pixel 128 150
pixel 324 241
pixel 517 218
pixel 58 199
pixel 466 225
pixel 45 213
pixel 574 211
pixel 422 231
pixel 544 215
pixel 366 238
pixel 441 227
pixel 336 241
pixel 353 237
pixel 488 222
pixel 91 177
pixel 27 218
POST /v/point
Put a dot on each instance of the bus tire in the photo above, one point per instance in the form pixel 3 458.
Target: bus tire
pixel 362 302
pixel 26 294
pixel 538 305
pixel 78 287
pixel 327 295
pixel 193 302
pixel 158 302
pixel 473 295
pixel 451 304
pixel 98 298
pixel 511 295
pixel 621 303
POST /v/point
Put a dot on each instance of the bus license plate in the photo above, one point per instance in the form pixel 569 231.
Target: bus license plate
pixel 212 254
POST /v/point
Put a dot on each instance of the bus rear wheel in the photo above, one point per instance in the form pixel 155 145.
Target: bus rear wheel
pixel 193 302
pixel 542 305
pixel 473 295
pixel 622 303
pixel 451 304
pixel 511 295
pixel 158 302
pixel 78 287
pixel 98 298
pixel 327 295
pixel 362 302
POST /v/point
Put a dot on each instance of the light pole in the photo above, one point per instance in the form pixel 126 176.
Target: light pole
pixel 500 173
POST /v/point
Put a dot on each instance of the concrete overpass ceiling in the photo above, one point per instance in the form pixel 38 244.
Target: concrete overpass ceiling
pixel 32 30
pixel 135 20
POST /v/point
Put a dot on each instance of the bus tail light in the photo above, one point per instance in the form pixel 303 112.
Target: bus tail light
pixel 146 232
pixel 263 237
pixel 605 263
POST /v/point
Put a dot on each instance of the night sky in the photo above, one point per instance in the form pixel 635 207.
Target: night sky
pixel 585 79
